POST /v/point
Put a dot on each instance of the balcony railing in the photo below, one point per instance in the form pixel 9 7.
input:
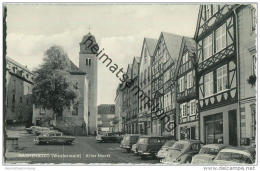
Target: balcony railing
pixel 217 57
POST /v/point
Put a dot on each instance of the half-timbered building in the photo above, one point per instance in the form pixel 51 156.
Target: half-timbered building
pixel 144 114
pixel 218 51
pixel 186 96
pixel 163 91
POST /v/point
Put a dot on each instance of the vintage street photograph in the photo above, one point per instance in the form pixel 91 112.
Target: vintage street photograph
pixel 130 84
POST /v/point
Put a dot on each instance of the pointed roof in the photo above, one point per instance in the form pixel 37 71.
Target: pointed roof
pixel 106 109
pixel 18 64
pixel 190 45
pixel 151 45
pixel 198 22
pixel 173 43
pixel 86 37
pixel 129 69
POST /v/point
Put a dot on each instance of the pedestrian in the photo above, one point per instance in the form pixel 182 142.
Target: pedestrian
pixel 83 128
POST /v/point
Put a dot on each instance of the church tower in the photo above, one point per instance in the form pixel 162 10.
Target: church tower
pixel 88 64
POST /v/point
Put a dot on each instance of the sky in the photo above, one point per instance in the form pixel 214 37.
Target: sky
pixel 118 28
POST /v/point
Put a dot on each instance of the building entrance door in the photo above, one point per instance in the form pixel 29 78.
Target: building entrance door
pixel 232 122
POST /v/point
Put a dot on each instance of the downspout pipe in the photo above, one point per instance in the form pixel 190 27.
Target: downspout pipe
pixel 238 76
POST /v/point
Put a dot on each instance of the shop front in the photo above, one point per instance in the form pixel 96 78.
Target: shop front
pixel 189 131
pixel 220 126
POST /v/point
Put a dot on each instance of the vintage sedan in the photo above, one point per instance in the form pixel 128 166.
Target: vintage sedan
pixel 108 137
pixel 30 129
pixel 207 154
pixel 182 151
pixel 235 155
pixel 54 137
pixel 164 150
pixel 148 146
pixel 128 141
pixel 39 130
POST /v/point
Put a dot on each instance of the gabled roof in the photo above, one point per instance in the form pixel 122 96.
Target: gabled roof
pixel 190 45
pixel 173 43
pixel 198 22
pixel 150 44
pixel 18 64
pixel 74 69
pixel 129 69
pixel 106 109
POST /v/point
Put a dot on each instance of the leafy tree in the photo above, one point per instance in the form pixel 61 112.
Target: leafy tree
pixel 52 86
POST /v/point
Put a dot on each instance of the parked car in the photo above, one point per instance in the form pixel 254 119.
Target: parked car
pixel 207 154
pixel 54 137
pixel 235 155
pixel 182 152
pixel 119 137
pixel 108 137
pixel 148 146
pixel 30 129
pixel 39 130
pixel 163 151
pixel 128 141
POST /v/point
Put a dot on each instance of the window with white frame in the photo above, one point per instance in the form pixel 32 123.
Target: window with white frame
pixel 221 38
pixel 208 84
pixel 189 80
pixel 192 107
pixel 181 84
pixel 207 47
pixel 222 78
pixel 185 57
pixel 183 108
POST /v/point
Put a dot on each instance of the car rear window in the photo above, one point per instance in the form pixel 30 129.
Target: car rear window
pixel 168 143
pixel 143 140
pixel 180 146
pixel 236 157
pixel 206 150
